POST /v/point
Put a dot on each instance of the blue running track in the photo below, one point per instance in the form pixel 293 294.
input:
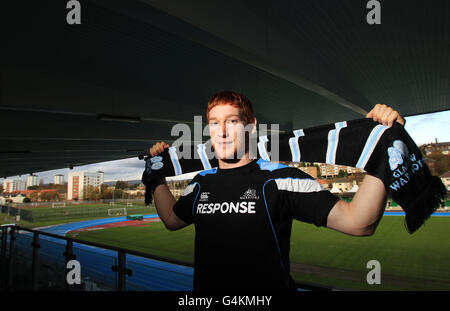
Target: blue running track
pixel 147 274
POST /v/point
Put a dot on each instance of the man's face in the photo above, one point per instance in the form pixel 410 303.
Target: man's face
pixel 226 128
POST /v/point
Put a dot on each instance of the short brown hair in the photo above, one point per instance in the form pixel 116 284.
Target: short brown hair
pixel 235 99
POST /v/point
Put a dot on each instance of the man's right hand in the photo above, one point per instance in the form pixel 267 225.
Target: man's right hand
pixel 164 200
pixel 154 151
pixel 158 148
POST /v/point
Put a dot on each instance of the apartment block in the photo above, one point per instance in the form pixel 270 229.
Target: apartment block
pixel 329 170
pixel 58 179
pixel 10 185
pixel 79 181
pixel 32 180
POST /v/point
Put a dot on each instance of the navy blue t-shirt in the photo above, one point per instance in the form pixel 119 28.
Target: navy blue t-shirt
pixel 243 218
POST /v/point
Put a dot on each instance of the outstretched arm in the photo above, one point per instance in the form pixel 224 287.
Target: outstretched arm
pixel 164 200
pixel 360 217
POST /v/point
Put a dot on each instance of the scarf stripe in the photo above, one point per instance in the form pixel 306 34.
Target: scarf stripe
pixel 293 144
pixel 262 148
pixel 371 142
pixel 175 161
pixel 201 150
pixel 333 141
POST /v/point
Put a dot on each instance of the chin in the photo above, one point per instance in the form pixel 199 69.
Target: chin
pixel 225 157
pixel 231 156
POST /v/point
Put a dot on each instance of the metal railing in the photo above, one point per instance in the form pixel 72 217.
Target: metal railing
pixel 9 234
pixel 8 237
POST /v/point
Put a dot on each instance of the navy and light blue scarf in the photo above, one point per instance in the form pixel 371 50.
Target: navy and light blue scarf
pixel 387 153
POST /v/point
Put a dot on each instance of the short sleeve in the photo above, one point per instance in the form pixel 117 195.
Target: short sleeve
pixel 306 199
pixel 184 207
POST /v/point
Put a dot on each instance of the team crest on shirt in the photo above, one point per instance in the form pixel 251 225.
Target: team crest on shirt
pixel 204 196
pixel 250 194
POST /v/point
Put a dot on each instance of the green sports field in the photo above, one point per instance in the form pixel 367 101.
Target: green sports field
pixel 323 256
pixel 408 262
pixel 47 215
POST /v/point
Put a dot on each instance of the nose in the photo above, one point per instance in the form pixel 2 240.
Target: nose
pixel 223 130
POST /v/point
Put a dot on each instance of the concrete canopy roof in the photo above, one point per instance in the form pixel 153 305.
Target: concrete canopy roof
pixel 112 86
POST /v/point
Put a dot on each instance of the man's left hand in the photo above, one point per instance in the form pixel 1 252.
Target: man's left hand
pixel 385 115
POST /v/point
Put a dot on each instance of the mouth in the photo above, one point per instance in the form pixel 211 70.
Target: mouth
pixel 225 144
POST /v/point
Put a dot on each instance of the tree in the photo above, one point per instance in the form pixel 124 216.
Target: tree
pixel 60 188
pixel 106 194
pixel 92 193
pixel 109 194
pixel 103 188
pixel 134 186
pixel 119 194
pixel 319 175
pixel 122 185
pixel 342 173
pixel 442 163
pixel 49 196
pixel 34 196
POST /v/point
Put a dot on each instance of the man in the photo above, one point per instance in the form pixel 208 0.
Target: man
pixel 243 210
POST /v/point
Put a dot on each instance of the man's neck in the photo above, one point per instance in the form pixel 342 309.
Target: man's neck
pixel 233 163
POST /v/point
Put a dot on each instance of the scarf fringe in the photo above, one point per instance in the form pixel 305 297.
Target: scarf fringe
pixel 148 192
pixel 423 206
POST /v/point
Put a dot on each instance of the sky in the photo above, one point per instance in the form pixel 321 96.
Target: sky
pixel 422 128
